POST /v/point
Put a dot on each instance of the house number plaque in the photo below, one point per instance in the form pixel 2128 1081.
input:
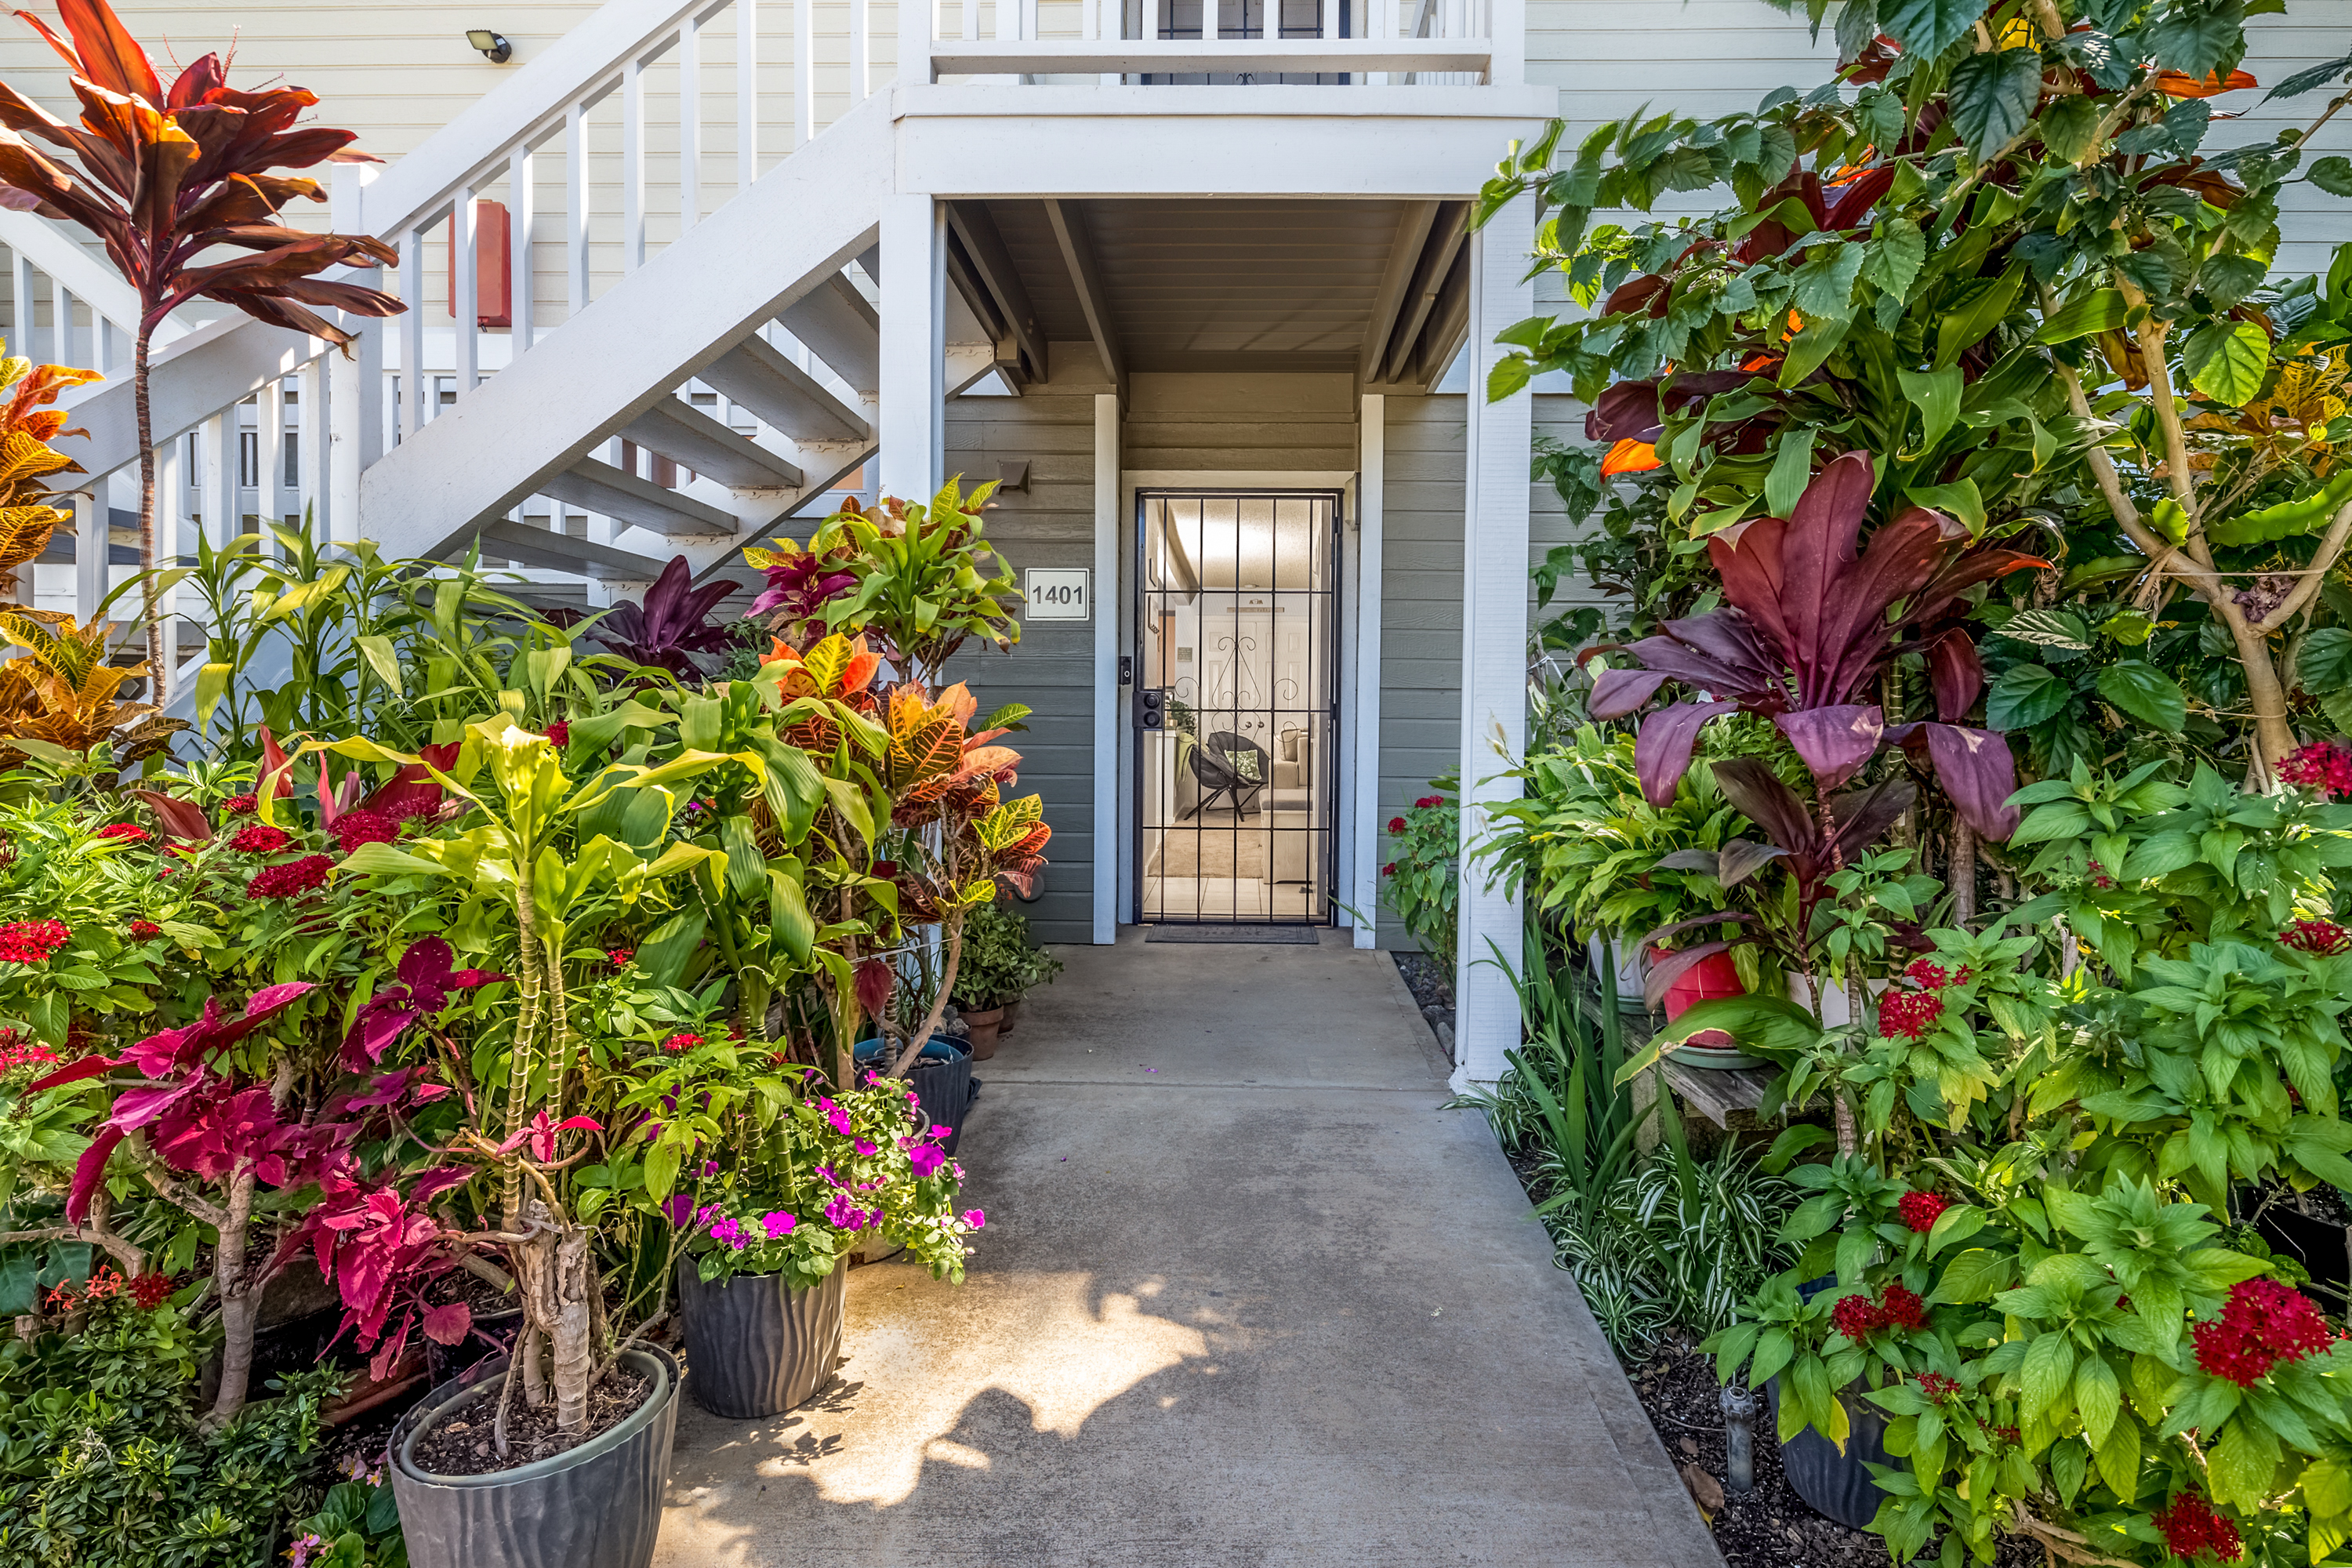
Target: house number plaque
pixel 1057 592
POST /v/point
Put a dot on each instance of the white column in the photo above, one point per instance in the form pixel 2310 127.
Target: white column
pixel 1494 636
pixel 914 345
pixel 92 536
pixel 1371 465
pixel 1108 606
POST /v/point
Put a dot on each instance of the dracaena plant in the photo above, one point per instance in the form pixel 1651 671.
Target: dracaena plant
pixel 172 176
pixel 671 625
pixel 2007 252
pixel 1815 617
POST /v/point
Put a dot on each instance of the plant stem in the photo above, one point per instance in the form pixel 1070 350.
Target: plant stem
pixel 151 603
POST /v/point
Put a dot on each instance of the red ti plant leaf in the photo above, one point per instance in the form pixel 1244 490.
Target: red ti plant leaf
pixel 1814 614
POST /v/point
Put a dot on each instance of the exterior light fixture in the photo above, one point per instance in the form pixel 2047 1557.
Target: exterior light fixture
pixel 495 49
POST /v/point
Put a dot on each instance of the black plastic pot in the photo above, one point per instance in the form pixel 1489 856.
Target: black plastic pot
pixel 2323 1246
pixel 754 1348
pixel 1836 1484
pixel 595 1506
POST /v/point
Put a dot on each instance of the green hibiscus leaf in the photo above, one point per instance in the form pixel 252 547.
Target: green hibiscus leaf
pixel 1992 97
pixel 2226 361
pixel 2146 693
pixel 2025 695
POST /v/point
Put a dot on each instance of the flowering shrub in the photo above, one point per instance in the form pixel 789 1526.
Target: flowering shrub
pixel 1418 883
pixel 834 1172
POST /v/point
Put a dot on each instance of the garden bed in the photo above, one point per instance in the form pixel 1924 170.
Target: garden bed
pixel 1768 1526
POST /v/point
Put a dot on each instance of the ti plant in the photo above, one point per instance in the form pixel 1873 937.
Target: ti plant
pixel 2000 250
pixel 173 177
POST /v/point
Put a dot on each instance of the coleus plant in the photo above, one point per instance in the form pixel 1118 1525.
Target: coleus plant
pixel 1814 618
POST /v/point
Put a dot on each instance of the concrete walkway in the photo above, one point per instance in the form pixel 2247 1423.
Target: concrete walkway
pixel 1247 1295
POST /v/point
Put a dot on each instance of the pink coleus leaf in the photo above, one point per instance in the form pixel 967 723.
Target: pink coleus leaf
pixel 89 1171
pixel 448 1325
pixel 89 1066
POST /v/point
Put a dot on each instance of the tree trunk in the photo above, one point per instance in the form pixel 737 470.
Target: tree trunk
pixel 1964 873
pixel 149 602
pixel 575 1361
pixel 240 1299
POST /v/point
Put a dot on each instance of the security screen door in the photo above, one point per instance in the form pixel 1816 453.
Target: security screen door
pixel 1237 702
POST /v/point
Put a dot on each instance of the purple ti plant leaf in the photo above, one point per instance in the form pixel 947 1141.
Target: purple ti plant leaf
pixel 1813 618
pixel 668 629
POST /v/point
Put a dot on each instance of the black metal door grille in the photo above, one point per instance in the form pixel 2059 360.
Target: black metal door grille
pixel 1237 706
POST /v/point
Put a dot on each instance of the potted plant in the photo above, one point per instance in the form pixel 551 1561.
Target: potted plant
pixel 998 968
pixel 770 1225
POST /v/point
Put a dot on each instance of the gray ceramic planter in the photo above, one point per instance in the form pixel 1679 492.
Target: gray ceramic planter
pixel 595 1506
pixel 754 1348
pixel 1837 1484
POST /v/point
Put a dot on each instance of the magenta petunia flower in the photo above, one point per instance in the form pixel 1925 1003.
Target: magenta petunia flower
pixel 974 1219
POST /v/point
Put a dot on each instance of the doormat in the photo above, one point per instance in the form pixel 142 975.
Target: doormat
pixel 1297 936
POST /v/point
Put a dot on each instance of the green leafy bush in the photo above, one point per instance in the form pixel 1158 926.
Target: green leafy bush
pixel 999 964
pixel 1420 884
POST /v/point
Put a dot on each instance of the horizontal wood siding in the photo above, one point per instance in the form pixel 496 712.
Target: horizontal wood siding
pixel 1241 422
pixel 1051 668
pixel 1421 592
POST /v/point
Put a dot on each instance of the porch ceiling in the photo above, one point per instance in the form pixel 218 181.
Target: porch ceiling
pixel 1242 285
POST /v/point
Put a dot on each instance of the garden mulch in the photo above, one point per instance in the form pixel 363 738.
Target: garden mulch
pixel 463 1446
pixel 1768 1526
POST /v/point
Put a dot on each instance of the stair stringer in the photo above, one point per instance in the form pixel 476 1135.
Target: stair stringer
pixel 804 220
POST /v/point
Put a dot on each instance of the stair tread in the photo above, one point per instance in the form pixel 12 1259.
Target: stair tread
pixel 756 374
pixel 552 551
pixel 844 330
pixel 613 492
pixel 679 431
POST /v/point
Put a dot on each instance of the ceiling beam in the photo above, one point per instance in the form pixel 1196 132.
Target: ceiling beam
pixel 983 247
pixel 1404 253
pixel 1079 255
pixel 1436 262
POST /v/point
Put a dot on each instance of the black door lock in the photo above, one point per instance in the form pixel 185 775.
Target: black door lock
pixel 1151 709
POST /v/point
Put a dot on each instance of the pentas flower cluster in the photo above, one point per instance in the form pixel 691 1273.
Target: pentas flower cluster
pixel 1908 1015
pixel 31 942
pixel 1858 1317
pixel 353 828
pixel 1425 802
pixel 2190 1526
pixel 1929 976
pixel 126 832
pixel 2264 1323
pixel 2325 938
pixel 241 805
pixel 148 1292
pixel 559 734
pixel 1936 1386
pixel 17 1051
pixel 1920 1211
pixel 259 839
pixel 2325 766
pixel 143 930
pixel 681 1041
pixel 291 879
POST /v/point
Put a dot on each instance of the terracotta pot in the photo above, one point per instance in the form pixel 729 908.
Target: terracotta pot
pixel 1012 1017
pixel 1711 978
pixel 983 1025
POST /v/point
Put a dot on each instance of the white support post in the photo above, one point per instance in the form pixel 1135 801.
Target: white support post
pixel 412 333
pixel 21 290
pixel 914 345
pixel 575 210
pixel 747 100
pixel 522 200
pixel 269 454
pixel 1507 27
pixel 61 313
pixel 1372 494
pixel 466 290
pixel 1494 638
pixel 1209 20
pixel 804 69
pixel 224 519
pixel 632 165
pixel 689 122
pixel 341 425
pixel 1109 602
pixel 310 456
pixel 92 537
pixel 861 50
pixel 170 491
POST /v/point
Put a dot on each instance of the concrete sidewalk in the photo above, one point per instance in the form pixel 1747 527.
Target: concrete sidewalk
pixel 1247 1295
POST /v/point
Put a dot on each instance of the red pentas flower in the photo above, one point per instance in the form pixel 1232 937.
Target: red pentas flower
pixel 620 956
pixel 150 1291
pixel 2324 766
pixel 1857 1317
pixel 2190 1526
pixel 1425 802
pixel 1935 1385
pixel 1396 824
pixel 128 831
pixel 240 805
pixel 2264 1322
pixel 560 733
pixel 1903 1309
pixel 17 1051
pixel 1389 869
pixel 1908 1014
pixel 681 1041
pixel 353 828
pixel 1920 1210
pixel 291 879
pixel 143 930
pixel 260 839
pixel 2323 938
pixel 31 942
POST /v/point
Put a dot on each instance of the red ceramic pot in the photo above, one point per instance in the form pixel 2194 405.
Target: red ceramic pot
pixel 1711 977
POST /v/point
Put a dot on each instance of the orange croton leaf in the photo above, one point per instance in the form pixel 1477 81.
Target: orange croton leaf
pixel 1630 457
pixel 2179 84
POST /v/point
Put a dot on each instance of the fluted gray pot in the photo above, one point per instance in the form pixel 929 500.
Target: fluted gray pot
pixel 754 1348
pixel 595 1506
